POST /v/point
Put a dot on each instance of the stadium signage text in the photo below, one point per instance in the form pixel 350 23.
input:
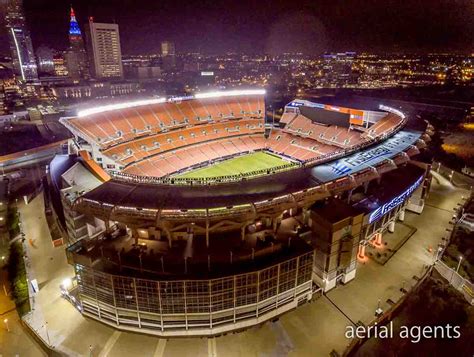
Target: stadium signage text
pixel 357 161
pixel 297 103
pixel 395 202
pixel 366 156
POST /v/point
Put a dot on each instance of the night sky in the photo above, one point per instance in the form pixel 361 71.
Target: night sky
pixel 270 26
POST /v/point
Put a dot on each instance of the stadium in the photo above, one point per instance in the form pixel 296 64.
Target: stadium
pixel 192 216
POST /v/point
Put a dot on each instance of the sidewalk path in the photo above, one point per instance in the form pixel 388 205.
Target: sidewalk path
pixel 17 341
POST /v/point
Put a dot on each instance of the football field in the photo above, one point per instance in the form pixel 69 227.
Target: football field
pixel 238 165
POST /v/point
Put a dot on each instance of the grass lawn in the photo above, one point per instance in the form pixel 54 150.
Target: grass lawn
pixel 238 165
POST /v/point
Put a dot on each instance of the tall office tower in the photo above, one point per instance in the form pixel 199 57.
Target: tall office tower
pixel 168 55
pixel 103 49
pixel 76 57
pixel 23 56
pixel 167 48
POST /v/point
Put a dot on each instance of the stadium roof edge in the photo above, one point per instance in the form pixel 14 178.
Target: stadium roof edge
pixel 137 103
pixel 303 102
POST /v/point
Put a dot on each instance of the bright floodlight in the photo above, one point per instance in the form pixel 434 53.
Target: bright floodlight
pixel 106 108
pixel 230 93
pixel 66 283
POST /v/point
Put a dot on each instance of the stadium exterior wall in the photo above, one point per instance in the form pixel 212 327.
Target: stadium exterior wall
pixel 195 307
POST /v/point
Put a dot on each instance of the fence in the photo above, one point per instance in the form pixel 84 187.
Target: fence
pixel 456 178
pixel 457 281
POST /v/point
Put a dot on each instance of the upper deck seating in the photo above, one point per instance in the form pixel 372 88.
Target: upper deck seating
pixel 112 127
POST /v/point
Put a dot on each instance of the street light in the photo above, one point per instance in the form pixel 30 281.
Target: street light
pixel 437 254
pixel 46 329
pixel 65 286
pixel 6 324
pixel 459 264
pixel 66 283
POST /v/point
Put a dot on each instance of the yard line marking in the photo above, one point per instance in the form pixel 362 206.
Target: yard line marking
pixel 110 344
pixel 160 348
pixel 211 347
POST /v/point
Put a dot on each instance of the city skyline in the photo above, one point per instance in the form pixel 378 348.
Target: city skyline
pixel 258 27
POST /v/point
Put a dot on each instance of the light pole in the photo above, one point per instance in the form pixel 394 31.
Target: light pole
pixel 90 350
pixel 459 264
pixel 402 289
pixel 47 333
pixel 6 324
pixel 438 251
pixel 379 310
pixel 457 268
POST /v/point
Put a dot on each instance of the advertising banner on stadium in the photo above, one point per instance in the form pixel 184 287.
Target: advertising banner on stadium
pixel 366 158
pixel 395 202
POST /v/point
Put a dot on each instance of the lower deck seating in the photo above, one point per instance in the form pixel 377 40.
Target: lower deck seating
pixel 139 149
pixel 383 126
pixel 289 145
pixel 327 134
pixel 175 160
pixel 298 147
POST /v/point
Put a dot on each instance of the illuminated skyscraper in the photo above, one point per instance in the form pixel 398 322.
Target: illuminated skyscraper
pixel 168 55
pixel 76 58
pixel 24 62
pixel 103 49
pixel 167 48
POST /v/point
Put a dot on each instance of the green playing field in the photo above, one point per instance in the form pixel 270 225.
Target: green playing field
pixel 238 165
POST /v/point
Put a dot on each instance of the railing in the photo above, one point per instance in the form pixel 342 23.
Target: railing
pixel 457 281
